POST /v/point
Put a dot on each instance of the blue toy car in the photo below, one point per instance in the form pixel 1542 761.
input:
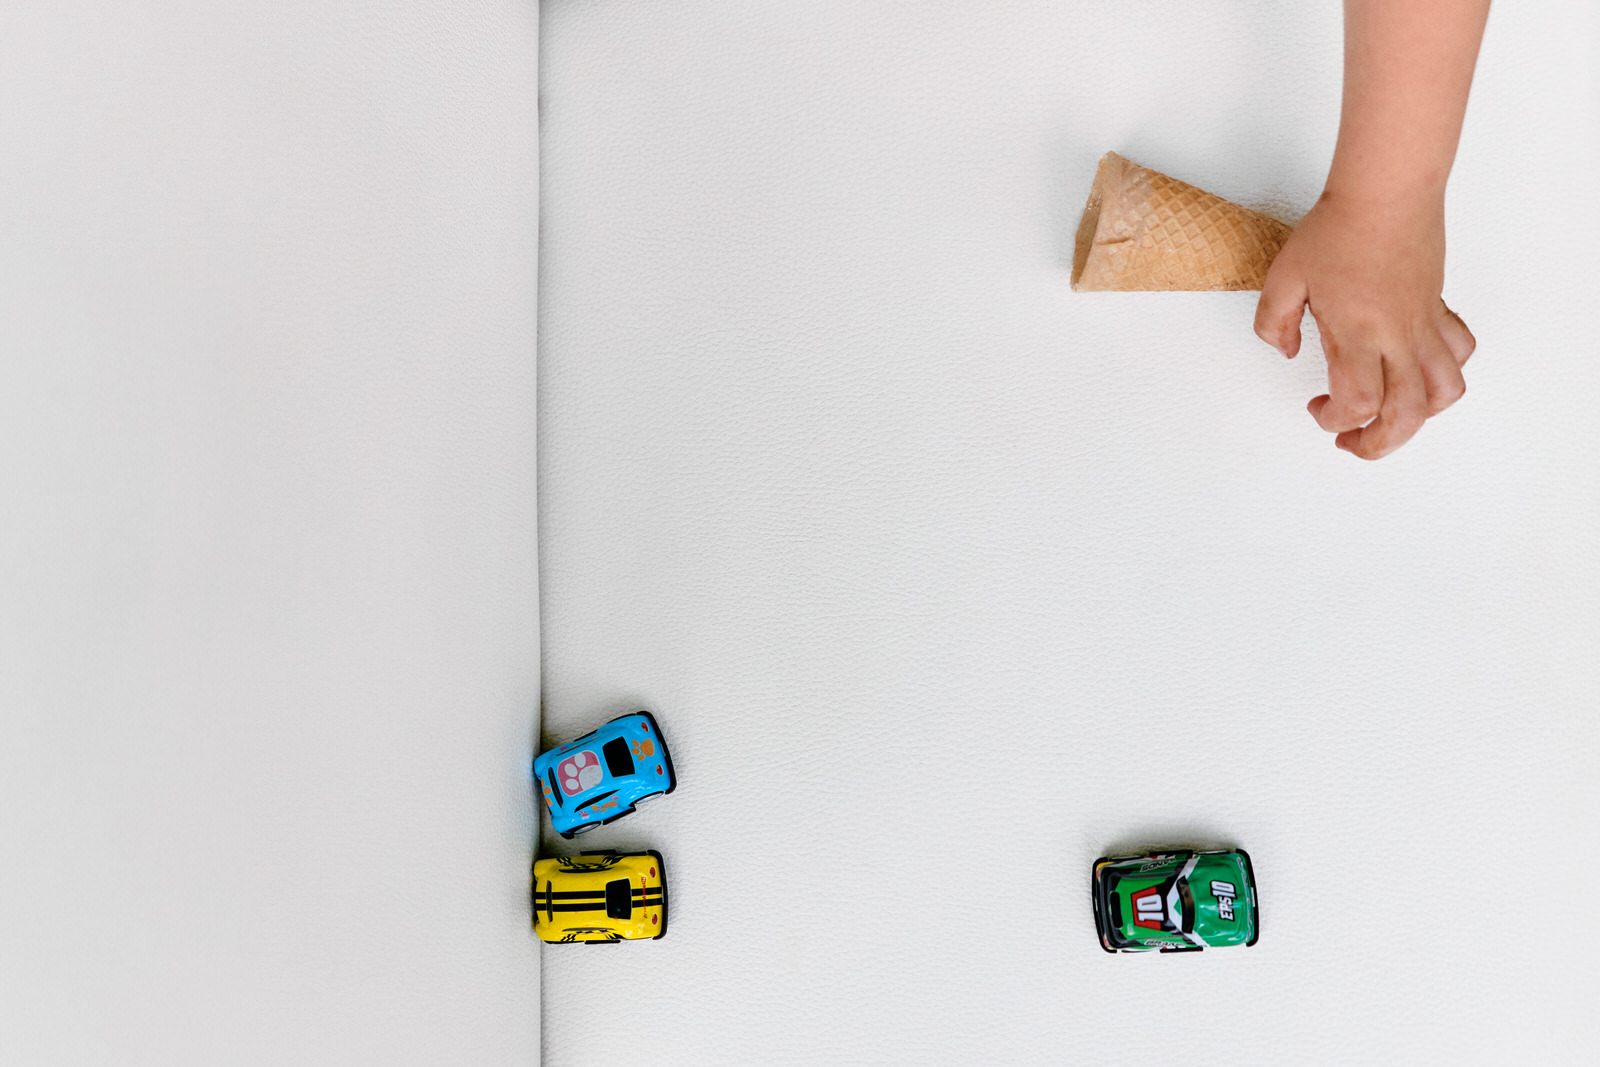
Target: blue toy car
pixel 604 775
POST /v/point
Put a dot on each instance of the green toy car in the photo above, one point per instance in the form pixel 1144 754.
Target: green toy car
pixel 1180 901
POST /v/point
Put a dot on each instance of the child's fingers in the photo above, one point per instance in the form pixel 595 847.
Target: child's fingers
pixel 1457 336
pixel 1355 388
pixel 1280 309
pixel 1405 409
pixel 1441 375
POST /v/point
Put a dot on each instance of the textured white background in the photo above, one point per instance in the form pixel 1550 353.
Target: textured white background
pixel 268 598
pixel 945 580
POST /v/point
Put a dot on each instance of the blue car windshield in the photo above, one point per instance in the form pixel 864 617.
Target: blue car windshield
pixel 618 760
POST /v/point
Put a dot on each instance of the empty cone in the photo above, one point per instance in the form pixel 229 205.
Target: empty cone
pixel 1142 230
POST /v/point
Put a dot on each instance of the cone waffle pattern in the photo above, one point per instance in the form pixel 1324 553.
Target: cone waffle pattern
pixel 1143 230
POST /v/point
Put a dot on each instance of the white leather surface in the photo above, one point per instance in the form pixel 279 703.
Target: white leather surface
pixel 268 574
pixel 944 580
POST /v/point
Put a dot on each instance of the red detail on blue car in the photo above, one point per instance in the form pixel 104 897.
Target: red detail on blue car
pixel 579 773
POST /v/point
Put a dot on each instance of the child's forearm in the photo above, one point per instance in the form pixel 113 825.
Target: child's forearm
pixel 1407 69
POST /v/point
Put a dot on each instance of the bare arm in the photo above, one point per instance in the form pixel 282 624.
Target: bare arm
pixel 1369 258
pixel 1407 68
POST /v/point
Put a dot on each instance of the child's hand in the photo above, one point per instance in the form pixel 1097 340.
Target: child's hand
pixel 1369 258
pixel 1371 271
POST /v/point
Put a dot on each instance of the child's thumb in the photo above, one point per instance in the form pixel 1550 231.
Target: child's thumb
pixel 1278 314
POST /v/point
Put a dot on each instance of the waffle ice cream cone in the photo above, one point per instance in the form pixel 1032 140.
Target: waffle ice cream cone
pixel 1142 230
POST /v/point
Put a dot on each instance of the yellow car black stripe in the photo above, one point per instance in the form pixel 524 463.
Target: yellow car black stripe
pixel 652 899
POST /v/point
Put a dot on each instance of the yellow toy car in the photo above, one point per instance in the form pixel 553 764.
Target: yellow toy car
pixel 600 898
